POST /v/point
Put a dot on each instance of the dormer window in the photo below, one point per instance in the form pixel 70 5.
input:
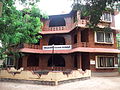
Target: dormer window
pixel 106 17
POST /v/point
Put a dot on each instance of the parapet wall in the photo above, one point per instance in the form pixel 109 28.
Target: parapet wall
pixel 51 76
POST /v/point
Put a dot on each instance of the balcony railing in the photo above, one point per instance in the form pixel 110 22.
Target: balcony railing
pixel 59 28
pixel 48 47
pixel 81 44
pixel 56 47
pixel 31 46
pixel 85 44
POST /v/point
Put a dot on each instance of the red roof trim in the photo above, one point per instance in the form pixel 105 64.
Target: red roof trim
pixel 79 49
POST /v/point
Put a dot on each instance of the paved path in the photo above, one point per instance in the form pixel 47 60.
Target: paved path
pixel 95 83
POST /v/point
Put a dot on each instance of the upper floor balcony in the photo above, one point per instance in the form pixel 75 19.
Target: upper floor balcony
pixel 65 49
pixel 64 29
pixel 67 22
pixel 56 47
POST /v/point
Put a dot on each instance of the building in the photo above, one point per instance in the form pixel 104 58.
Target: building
pixel 68 44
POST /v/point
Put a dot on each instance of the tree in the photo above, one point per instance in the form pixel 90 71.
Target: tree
pixel 17 27
pixel 94 8
pixel 118 6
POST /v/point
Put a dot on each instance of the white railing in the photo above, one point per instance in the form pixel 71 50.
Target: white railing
pixel 57 47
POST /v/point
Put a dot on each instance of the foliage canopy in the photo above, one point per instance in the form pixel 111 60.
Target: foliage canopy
pixel 94 8
pixel 17 27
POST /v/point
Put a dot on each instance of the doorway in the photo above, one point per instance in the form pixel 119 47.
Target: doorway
pixel 85 60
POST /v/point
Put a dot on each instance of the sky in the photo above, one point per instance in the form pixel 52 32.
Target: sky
pixel 52 7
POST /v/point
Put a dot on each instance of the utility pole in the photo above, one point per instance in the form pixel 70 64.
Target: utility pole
pixel 52 57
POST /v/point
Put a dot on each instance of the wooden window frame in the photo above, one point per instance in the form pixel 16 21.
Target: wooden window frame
pixel 104 42
pixel 7 62
pixel 108 15
pixel 106 66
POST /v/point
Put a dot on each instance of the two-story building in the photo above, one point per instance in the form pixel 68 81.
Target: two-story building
pixel 68 44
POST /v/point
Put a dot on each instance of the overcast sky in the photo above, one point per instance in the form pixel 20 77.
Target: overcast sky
pixel 52 7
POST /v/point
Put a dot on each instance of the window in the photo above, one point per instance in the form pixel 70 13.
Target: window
pixel 106 17
pixel 10 61
pixel 105 61
pixel 75 38
pixel 104 37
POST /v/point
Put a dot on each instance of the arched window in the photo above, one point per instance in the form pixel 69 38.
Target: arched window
pixel 56 60
pixel 57 40
pixel 33 60
pixel 57 21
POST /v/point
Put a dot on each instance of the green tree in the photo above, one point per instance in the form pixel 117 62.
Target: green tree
pixel 17 27
pixel 94 8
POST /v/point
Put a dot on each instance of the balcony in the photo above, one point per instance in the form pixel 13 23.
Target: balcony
pixel 55 47
pixel 48 47
pixel 81 23
pixel 64 29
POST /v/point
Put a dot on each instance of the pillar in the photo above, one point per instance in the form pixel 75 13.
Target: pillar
pixel 79 61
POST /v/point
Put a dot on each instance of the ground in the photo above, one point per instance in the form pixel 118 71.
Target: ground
pixel 94 83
